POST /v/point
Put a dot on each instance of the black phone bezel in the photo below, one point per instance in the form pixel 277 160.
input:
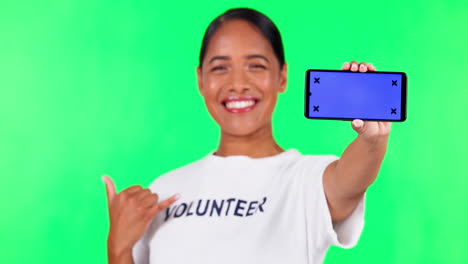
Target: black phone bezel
pixel 404 91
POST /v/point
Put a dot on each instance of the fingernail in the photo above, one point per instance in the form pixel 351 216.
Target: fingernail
pixel 357 123
pixel 177 196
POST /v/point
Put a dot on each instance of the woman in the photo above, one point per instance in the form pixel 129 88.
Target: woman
pixel 250 201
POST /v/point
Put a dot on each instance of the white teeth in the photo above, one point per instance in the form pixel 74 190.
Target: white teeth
pixel 239 104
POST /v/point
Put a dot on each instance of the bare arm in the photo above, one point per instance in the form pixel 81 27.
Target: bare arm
pixel 119 258
pixel 346 180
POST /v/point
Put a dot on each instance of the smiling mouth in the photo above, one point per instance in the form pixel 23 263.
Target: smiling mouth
pixel 240 106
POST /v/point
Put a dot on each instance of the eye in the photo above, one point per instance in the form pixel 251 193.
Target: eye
pixel 217 68
pixel 257 66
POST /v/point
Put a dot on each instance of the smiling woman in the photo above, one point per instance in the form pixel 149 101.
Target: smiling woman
pixel 240 74
pixel 248 201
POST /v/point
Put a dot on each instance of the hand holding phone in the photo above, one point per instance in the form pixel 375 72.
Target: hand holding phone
pixel 345 95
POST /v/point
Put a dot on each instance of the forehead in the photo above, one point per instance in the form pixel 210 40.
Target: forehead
pixel 238 38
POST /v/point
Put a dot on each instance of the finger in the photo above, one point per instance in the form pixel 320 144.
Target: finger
pixel 149 200
pixel 371 67
pixel 358 125
pixel 362 67
pixel 354 66
pixel 346 66
pixel 155 209
pixel 132 189
pixel 110 188
pixel 141 194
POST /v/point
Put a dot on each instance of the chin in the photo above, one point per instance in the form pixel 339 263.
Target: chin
pixel 239 131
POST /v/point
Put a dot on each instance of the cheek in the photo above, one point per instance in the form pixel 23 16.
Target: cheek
pixel 269 86
pixel 211 87
pixel 267 80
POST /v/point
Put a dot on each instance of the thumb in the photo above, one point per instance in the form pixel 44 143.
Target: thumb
pixel 110 188
pixel 358 125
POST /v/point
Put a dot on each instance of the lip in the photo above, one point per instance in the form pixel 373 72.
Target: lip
pixel 240 98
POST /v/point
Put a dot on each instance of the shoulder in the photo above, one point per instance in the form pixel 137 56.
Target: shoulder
pixel 316 161
pixel 311 169
pixel 307 167
pixel 176 176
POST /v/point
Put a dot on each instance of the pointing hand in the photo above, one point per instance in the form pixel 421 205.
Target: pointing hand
pixel 131 212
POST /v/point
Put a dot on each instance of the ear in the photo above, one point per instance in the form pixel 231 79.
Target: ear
pixel 199 81
pixel 283 78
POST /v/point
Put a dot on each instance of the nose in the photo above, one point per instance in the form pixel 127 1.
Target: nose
pixel 238 81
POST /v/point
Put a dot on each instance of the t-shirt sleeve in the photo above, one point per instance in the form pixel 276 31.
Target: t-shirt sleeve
pixel 322 232
pixel 141 251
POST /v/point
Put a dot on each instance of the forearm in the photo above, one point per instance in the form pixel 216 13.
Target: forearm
pixel 119 256
pixel 125 258
pixel 359 165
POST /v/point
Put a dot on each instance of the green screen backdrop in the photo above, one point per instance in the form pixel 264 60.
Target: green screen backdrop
pixel 95 87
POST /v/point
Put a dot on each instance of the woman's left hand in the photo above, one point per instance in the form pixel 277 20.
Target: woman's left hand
pixel 370 131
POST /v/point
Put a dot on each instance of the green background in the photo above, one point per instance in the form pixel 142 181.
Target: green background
pixel 93 87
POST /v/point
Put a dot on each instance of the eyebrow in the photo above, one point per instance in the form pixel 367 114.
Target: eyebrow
pixel 252 56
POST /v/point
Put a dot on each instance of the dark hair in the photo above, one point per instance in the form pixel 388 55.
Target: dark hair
pixel 257 19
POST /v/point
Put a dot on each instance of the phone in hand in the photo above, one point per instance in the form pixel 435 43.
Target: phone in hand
pixel 346 95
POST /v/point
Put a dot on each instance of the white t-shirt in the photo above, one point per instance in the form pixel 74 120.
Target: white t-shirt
pixel 238 209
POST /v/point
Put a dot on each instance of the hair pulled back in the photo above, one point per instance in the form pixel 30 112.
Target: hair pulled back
pixel 255 18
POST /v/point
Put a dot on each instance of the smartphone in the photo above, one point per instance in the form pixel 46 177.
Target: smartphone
pixel 345 95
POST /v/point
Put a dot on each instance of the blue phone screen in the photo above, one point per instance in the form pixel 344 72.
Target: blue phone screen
pixel 351 95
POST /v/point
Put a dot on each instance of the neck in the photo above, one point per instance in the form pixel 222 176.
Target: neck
pixel 258 144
